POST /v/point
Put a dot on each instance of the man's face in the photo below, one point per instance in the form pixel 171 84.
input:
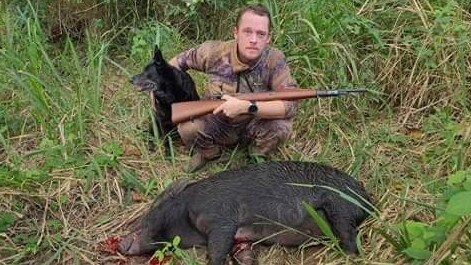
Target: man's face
pixel 252 36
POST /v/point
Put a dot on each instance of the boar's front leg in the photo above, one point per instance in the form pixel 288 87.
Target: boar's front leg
pixel 343 226
pixel 220 232
pixel 220 240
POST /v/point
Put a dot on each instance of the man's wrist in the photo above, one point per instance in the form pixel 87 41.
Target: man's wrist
pixel 252 107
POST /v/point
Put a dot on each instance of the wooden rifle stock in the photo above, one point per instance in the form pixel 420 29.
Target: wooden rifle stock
pixel 184 111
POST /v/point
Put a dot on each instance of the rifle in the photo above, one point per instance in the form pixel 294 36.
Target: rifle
pixel 184 111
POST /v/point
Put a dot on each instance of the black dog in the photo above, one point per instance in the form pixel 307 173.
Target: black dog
pixel 257 202
pixel 166 85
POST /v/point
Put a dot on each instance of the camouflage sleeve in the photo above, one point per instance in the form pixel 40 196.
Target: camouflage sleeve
pixel 281 79
pixel 291 107
pixel 195 58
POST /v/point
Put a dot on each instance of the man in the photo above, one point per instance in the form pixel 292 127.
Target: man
pixel 245 64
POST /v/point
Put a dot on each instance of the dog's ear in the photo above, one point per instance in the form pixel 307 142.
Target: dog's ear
pixel 158 55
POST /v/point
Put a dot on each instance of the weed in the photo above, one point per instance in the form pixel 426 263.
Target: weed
pixel 6 220
pixel 170 253
pixel 150 35
pixel 437 242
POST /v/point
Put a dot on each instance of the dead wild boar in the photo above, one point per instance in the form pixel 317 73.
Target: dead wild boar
pixel 256 202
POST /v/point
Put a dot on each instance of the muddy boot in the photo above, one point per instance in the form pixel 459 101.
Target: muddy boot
pixel 256 158
pixel 259 154
pixel 201 157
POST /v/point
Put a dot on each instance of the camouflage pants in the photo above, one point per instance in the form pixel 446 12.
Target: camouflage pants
pixel 211 132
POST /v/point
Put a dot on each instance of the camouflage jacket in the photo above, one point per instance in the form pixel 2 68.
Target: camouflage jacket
pixel 228 75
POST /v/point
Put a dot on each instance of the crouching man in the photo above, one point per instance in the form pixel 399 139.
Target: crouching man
pixel 243 65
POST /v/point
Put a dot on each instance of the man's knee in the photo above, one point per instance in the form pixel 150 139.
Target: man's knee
pixel 266 135
pixel 283 129
pixel 268 129
pixel 189 131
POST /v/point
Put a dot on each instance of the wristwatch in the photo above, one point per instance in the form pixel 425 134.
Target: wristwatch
pixel 253 107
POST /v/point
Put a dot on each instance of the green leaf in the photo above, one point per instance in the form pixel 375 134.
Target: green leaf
pixel 6 220
pixel 323 225
pixel 418 243
pixel 417 253
pixel 415 229
pixel 433 233
pixel 159 255
pixel 459 204
pixel 130 180
pixel 457 178
pixel 446 221
pixel 343 195
pixel 467 184
pixel 176 241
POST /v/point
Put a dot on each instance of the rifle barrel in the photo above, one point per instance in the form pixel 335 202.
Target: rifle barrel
pixel 338 92
pixel 357 90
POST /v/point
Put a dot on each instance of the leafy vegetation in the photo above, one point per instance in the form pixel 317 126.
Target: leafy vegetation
pixel 422 241
pixel 75 166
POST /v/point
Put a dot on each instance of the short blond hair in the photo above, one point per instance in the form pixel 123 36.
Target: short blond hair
pixel 258 9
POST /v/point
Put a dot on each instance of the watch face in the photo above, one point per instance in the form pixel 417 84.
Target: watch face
pixel 253 108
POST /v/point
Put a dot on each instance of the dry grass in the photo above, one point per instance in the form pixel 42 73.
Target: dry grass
pixel 91 210
pixel 72 216
pixel 420 77
pixel 396 144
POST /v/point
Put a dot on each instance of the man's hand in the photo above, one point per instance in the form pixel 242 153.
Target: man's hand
pixel 232 107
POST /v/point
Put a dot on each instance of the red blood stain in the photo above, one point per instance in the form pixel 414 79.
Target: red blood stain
pixel 110 244
pixel 155 261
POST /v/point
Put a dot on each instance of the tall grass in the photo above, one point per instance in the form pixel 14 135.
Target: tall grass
pixel 56 95
pixel 415 52
pixel 72 152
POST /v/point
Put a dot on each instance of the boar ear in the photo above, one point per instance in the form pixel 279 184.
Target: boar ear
pixel 177 186
pixel 158 55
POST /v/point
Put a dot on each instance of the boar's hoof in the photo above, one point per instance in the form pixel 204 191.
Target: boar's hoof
pixel 243 254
